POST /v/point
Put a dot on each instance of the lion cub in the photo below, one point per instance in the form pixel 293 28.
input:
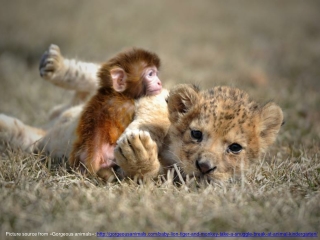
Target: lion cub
pixel 218 132
pixel 213 135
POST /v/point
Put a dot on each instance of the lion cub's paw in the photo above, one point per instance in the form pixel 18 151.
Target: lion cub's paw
pixel 51 62
pixel 137 154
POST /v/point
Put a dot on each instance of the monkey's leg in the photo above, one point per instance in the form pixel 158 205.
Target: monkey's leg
pixel 18 135
pixel 68 73
pixel 137 155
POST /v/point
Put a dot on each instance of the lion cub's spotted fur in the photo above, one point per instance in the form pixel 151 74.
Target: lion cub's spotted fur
pixel 211 134
pixel 216 133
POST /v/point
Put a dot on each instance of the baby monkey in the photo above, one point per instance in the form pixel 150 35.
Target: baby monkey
pixel 127 76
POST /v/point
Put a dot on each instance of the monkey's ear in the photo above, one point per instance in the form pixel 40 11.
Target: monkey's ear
pixel 119 78
pixel 181 99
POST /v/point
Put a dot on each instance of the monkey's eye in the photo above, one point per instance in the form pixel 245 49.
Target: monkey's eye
pixel 150 74
pixel 235 148
pixel 197 135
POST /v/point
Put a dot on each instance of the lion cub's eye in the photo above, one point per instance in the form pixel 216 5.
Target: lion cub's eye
pixel 235 148
pixel 196 135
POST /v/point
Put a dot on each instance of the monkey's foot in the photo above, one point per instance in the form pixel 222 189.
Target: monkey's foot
pixel 137 154
pixel 51 63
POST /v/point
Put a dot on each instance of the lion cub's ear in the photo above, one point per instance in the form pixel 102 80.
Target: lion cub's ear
pixel 271 119
pixel 181 99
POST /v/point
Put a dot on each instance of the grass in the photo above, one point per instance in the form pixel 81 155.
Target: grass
pixel 270 49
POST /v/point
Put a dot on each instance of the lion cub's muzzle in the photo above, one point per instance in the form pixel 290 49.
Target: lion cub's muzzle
pixel 205 166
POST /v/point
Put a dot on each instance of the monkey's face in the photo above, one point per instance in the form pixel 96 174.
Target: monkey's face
pixel 142 80
pixel 151 81
pixel 133 73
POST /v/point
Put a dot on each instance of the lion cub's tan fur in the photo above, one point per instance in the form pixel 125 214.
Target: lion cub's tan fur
pixel 224 116
pixel 211 134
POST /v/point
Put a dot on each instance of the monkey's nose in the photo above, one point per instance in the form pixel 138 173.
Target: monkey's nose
pixel 205 166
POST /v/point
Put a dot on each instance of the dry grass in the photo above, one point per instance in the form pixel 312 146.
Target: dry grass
pixel 271 49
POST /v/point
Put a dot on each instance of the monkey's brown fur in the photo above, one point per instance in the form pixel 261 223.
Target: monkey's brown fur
pixel 109 112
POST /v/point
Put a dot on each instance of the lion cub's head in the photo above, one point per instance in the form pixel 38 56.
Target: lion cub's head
pixel 216 133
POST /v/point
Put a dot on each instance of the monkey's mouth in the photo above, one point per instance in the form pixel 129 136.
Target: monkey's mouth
pixel 155 92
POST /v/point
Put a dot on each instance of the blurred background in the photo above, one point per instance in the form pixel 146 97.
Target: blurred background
pixel 271 49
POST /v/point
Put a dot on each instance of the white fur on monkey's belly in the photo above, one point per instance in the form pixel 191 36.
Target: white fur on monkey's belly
pixel 107 155
pixel 103 157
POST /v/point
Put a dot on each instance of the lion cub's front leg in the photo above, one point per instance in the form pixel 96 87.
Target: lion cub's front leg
pixel 137 154
pixel 138 148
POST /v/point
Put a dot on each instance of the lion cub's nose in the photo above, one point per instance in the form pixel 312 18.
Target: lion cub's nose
pixel 205 166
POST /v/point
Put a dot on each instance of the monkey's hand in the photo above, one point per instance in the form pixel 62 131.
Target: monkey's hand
pixel 137 155
pixel 51 64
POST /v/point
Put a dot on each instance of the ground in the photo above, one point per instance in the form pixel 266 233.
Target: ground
pixel 271 49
